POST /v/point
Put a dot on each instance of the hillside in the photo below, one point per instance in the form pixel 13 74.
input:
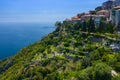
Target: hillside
pixel 67 53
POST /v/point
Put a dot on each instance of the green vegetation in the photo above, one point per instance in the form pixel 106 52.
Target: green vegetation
pixel 71 52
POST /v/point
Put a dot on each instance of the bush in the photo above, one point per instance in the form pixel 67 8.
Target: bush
pixel 102 72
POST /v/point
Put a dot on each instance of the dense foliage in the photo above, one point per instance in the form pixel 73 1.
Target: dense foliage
pixel 71 52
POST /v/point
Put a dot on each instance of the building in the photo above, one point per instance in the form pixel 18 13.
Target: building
pixel 81 14
pixel 67 21
pixel 106 13
pixel 72 20
pixel 75 18
pixel 98 18
pixel 115 17
pixel 117 2
pixel 98 8
pixel 86 17
pixel 108 5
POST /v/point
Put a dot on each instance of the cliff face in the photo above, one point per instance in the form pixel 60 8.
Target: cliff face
pixel 67 53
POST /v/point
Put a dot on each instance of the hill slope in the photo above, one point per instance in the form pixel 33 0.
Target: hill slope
pixel 67 53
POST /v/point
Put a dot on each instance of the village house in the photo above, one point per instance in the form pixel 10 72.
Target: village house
pixel 81 14
pixel 95 17
pixel 109 11
pixel 86 16
pixel 115 16
pixel 106 14
pixel 108 5
pixel 76 19
pixel 98 8
pixel 72 20
pixel 117 2
pixel 98 18
pixel 67 21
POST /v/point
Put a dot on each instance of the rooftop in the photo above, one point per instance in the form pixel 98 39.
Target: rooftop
pixel 103 11
pixel 117 7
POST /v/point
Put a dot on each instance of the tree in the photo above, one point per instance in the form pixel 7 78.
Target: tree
pixel 102 26
pixel 84 28
pixel 95 55
pixel 117 66
pixel 116 77
pixel 98 8
pixel 115 29
pixel 86 74
pixel 110 28
pixel 102 72
pixel 107 27
pixel 76 26
pixel 91 25
pixel 58 24
pixel 86 62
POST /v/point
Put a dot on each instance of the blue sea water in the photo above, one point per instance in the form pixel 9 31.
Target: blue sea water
pixel 14 36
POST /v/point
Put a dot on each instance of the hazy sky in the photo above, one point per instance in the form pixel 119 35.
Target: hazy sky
pixel 43 10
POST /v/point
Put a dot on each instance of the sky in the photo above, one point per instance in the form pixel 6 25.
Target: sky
pixel 44 10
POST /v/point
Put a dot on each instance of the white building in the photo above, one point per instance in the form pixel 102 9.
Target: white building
pixel 115 16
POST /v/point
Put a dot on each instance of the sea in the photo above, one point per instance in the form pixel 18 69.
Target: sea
pixel 15 36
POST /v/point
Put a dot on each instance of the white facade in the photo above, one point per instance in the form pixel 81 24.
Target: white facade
pixel 117 17
pixel 113 16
